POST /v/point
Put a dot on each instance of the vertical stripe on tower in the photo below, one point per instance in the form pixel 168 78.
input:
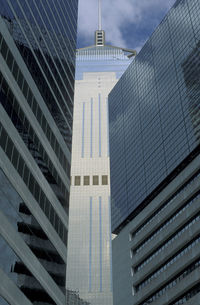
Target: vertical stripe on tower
pixel 108 145
pixel 83 130
pixel 91 128
pixel 99 125
pixel 100 243
pixel 90 248
pixel 110 243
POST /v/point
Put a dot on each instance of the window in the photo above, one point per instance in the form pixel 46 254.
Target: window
pixel 77 180
pixel 104 180
pixel 95 180
pixel 86 180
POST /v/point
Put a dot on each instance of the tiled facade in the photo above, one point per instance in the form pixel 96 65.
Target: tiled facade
pixel 155 166
pixel 89 243
pixel 154 111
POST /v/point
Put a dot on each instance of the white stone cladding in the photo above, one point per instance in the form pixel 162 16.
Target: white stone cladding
pixel 89 268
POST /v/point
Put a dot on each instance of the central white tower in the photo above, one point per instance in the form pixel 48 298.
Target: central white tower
pixel 89 264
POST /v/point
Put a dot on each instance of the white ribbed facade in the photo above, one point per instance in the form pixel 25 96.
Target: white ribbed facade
pixel 89 268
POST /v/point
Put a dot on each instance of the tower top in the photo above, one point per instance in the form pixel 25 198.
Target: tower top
pixel 100 38
pixel 100 34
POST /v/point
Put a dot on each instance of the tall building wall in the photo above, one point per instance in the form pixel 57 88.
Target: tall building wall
pixel 37 55
pixel 156 257
pixel 89 242
pixel 155 163
pixel 152 112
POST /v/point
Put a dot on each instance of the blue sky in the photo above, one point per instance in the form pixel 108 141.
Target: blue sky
pixel 128 23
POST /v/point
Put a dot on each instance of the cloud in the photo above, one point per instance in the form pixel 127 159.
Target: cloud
pixel 118 16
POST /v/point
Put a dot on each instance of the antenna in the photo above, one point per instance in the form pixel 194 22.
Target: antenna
pixel 100 25
pixel 100 34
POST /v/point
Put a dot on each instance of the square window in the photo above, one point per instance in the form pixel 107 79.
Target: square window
pixel 104 180
pixel 95 180
pixel 77 180
pixel 86 180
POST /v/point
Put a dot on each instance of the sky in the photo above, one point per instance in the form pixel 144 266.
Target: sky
pixel 127 23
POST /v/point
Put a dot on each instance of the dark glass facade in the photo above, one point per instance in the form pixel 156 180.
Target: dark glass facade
pixel 154 111
pixel 45 34
pixel 37 55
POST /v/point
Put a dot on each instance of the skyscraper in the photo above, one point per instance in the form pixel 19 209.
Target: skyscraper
pixel 155 166
pixel 98 67
pixel 37 65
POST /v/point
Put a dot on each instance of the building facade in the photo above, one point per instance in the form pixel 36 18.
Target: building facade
pixel 89 244
pixel 37 66
pixel 154 152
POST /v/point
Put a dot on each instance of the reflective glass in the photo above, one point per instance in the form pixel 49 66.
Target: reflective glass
pixel 154 110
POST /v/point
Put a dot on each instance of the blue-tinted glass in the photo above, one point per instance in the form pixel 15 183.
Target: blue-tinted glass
pixel 154 110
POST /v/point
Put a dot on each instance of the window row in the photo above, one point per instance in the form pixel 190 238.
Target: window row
pixel 187 296
pixel 170 284
pixel 22 169
pixel 176 235
pixel 169 262
pixel 16 269
pixel 94 180
pixel 22 83
pixel 13 109
pixel 166 223
pixel 165 205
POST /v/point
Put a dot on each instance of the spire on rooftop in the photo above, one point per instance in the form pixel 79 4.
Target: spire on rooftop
pixel 100 16
pixel 100 34
pixel 100 40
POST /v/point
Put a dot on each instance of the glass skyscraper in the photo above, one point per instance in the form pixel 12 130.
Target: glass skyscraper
pixel 154 113
pixel 98 68
pixel 37 66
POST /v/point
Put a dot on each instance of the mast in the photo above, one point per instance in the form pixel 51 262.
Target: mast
pixel 100 16
pixel 99 34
